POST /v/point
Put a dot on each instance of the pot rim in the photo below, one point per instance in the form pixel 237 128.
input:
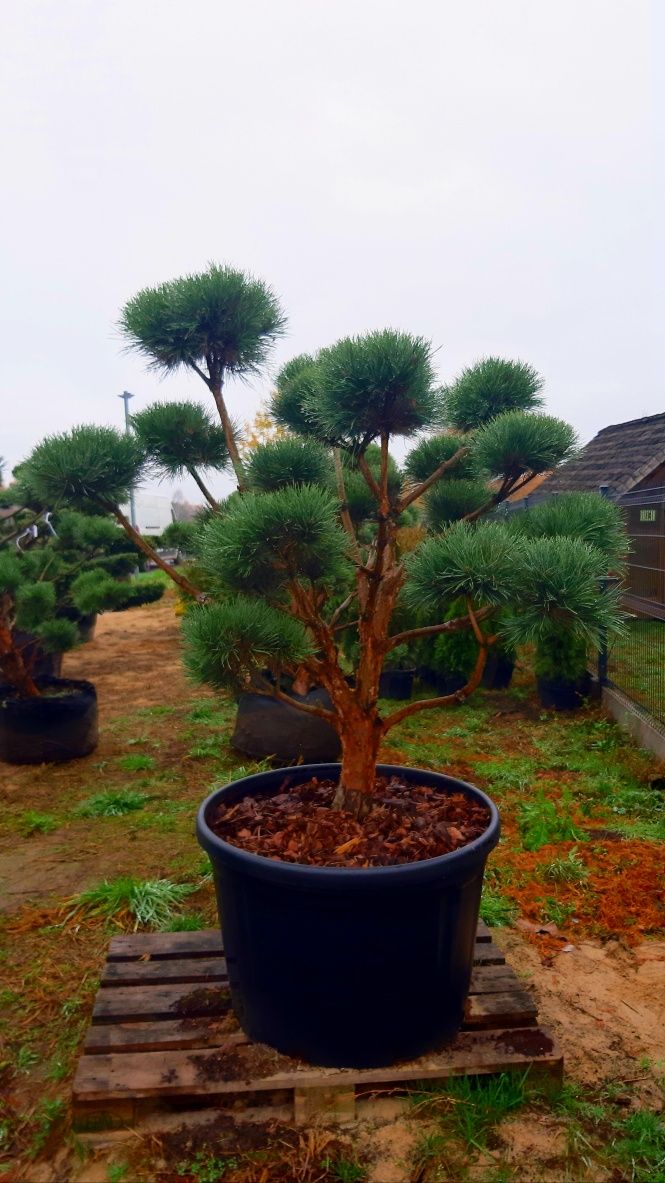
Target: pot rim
pixel 81 685
pixel 450 865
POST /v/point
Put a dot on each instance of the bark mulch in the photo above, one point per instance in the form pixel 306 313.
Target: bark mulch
pixel 406 823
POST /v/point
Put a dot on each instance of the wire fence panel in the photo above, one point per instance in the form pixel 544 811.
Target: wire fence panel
pixel 636 663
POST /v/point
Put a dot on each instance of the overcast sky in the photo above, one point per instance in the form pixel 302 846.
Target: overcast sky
pixel 481 172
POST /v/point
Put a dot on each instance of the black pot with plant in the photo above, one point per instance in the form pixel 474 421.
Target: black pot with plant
pixel 325 873
pixel 398 673
pixel 564 681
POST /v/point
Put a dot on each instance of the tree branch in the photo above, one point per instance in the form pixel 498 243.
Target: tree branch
pixel 306 708
pixel 370 479
pixel 418 490
pixel 206 492
pixel 427 704
pixel 151 553
pixel 344 512
pixel 507 489
pixel 428 630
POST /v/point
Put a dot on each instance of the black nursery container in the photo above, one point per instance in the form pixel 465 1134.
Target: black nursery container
pixel 396 683
pixel 557 694
pixel 51 728
pixel 266 727
pixel 345 967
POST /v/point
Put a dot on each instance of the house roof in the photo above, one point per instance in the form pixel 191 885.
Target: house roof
pixel 620 456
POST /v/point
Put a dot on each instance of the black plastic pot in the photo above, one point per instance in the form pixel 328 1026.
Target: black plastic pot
pixel 51 728
pixel 557 694
pixel 498 671
pixel 266 727
pixel 344 967
pixel 396 683
pixel 449 683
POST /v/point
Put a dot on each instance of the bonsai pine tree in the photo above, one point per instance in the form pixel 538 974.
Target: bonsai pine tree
pixel 299 573
pixel 27 603
pixel 180 438
pixel 92 469
pixel 218 323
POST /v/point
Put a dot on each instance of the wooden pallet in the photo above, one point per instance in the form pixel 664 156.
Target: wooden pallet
pixel 163 1034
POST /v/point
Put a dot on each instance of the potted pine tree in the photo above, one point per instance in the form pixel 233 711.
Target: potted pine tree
pixel 349 892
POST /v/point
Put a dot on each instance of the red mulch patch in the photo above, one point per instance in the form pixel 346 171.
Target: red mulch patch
pixel 407 823
pixel 622 895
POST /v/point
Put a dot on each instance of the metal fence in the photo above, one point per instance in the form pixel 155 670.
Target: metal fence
pixel 636 662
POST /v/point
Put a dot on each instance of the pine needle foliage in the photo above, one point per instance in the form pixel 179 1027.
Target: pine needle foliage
pixel 449 501
pixel 86 467
pixel 225 641
pixel 295 391
pixel 267 539
pixel 179 437
pixel 480 561
pixel 489 388
pixel 518 442
pixel 433 451
pixel 382 383
pixel 289 461
pixel 558 584
pixel 587 516
pixel 220 312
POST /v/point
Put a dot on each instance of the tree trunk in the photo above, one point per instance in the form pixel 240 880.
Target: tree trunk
pixel 152 554
pixel 360 740
pixel 204 489
pixel 238 467
pixel 13 666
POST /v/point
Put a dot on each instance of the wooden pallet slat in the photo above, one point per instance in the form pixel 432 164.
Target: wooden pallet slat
pixel 163 1027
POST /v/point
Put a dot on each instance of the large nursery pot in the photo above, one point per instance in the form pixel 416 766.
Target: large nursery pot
pixel 396 683
pixel 266 727
pixel 348 967
pixel 59 725
pixel 498 671
pixel 560 694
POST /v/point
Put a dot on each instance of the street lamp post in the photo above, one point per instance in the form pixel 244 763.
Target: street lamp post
pixel 125 396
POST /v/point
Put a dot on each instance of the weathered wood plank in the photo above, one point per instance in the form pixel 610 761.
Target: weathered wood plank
pixel 170 1033
pixel 162 970
pixel 514 1008
pixel 186 1000
pixel 205 942
pixel 219 1071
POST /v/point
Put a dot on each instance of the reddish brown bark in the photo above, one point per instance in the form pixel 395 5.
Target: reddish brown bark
pixel 13 666
pixel 151 553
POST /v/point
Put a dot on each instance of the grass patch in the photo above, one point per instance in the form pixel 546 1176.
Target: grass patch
pixel 568 869
pixel 32 822
pixel 542 822
pixel 136 762
pixel 149 902
pixel 496 909
pixel 113 803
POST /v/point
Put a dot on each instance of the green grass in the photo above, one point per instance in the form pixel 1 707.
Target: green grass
pixel 206 1168
pixel 510 772
pixel 568 869
pixel 152 902
pixel 638 1147
pixel 466 1110
pixel 32 822
pixel 113 803
pixel 344 1170
pixel 496 909
pixel 136 763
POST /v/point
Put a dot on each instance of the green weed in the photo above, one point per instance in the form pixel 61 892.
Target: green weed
pixel 344 1170
pixel 639 1147
pixel 37 823
pixel 26 1058
pixel 469 1107
pixel 150 901
pixel 116 1172
pixel 509 772
pixel 205 1168
pixel 48 1115
pixel 557 913
pixel 136 763
pixel 113 803
pixel 542 821
pixel 185 922
pixel 496 909
pixel 567 869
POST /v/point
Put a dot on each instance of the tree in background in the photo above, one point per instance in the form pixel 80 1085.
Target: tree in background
pixel 298 571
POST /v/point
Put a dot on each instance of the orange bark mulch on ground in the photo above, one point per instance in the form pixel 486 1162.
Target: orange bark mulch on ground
pixel 622 896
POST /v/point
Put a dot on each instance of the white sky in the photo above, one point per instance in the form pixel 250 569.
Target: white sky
pixel 481 172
